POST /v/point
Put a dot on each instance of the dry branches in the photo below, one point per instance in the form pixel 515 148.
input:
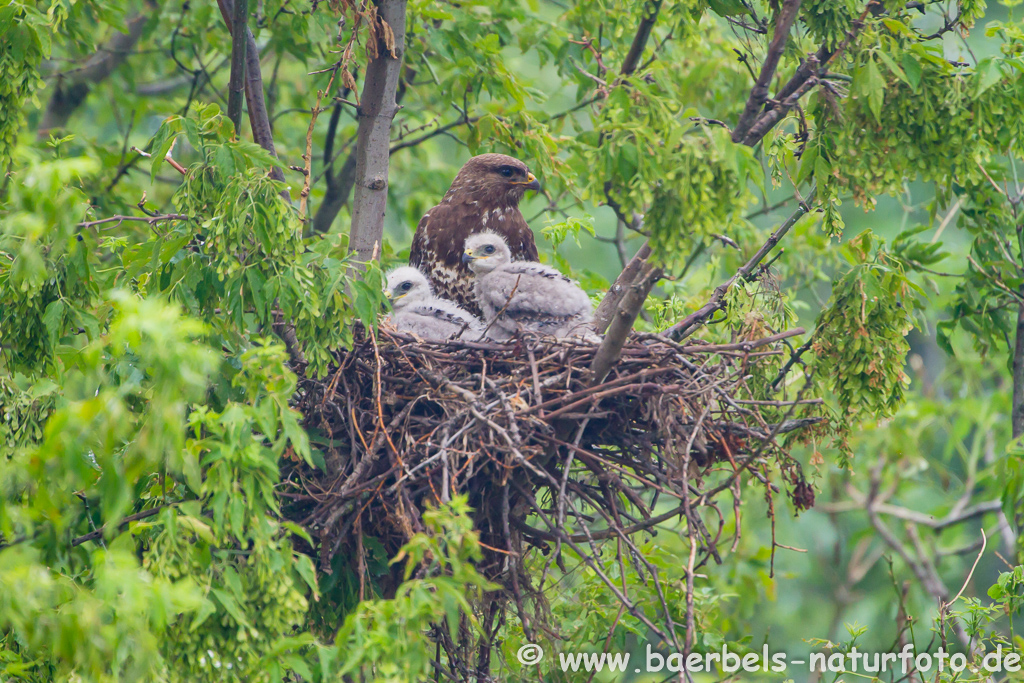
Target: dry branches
pixel 549 459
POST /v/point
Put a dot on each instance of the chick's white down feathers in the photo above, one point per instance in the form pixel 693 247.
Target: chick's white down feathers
pixel 524 295
pixel 418 312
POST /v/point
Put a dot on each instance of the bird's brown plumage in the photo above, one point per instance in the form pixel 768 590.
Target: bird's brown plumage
pixel 485 195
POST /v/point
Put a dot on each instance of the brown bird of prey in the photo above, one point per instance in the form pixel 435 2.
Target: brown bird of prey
pixel 484 196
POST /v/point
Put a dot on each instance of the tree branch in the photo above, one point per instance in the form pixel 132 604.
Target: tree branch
pixel 759 93
pixel 643 34
pixel 1017 411
pixel 771 117
pixel 236 81
pixel 688 324
pixel 755 129
pixel 610 304
pixel 621 325
pixel 338 188
pixel 125 521
pixel 807 75
pixel 259 120
pixel 73 88
pixel 377 110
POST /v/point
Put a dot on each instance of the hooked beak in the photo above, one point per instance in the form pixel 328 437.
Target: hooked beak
pixel 467 257
pixel 388 295
pixel 530 183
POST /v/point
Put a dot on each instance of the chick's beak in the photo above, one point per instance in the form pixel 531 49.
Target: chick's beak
pixel 467 257
pixel 532 183
pixel 388 295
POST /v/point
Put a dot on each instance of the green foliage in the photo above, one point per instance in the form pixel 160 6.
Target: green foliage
pixel 220 576
pixel 122 613
pixel 557 233
pixel 47 281
pixel 236 257
pixel 387 639
pixel 690 183
pixel 145 407
pixel 860 344
pixel 911 108
pixel 24 407
pixel 27 35
pixel 829 20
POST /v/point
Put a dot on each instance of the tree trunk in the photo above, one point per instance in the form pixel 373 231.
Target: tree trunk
pixel 1017 415
pixel 236 83
pixel 377 109
pixel 259 120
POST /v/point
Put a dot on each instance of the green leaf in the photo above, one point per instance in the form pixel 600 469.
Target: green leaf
pixel 229 604
pixel 52 319
pixel 192 134
pixel 162 142
pixel 304 566
pixel 206 608
pixel 894 67
pixel 728 8
pixel 875 87
pixel 912 68
pixel 987 74
pixel 808 163
pixel 898 27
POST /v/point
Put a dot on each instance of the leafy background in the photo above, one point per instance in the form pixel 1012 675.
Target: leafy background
pixel 141 381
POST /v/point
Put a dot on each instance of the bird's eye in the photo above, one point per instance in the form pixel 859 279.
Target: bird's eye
pixel 406 286
pixel 506 171
pixel 489 249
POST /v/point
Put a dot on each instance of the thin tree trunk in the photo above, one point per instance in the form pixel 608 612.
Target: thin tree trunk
pixel 377 109
pixel 338 188
pixel 622 323
pixel 1017 414
pixel 236 82
pixel 784 20
pixel 610 303
pixel 258 117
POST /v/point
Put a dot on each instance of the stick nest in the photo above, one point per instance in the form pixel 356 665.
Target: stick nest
pixel 545 457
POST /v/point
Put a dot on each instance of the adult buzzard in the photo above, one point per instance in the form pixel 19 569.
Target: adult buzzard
pixel 484 196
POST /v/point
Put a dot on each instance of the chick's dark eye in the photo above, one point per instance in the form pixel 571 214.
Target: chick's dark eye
pixel 489 249
pixel 506 171
pixel 406 286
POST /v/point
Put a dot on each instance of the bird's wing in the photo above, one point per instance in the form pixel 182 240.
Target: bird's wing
pixel 417 251
pixel 437 251
pixel 520 238
pixel 532 295
pixel 447 315
pixel 538 270
pixel 456 312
